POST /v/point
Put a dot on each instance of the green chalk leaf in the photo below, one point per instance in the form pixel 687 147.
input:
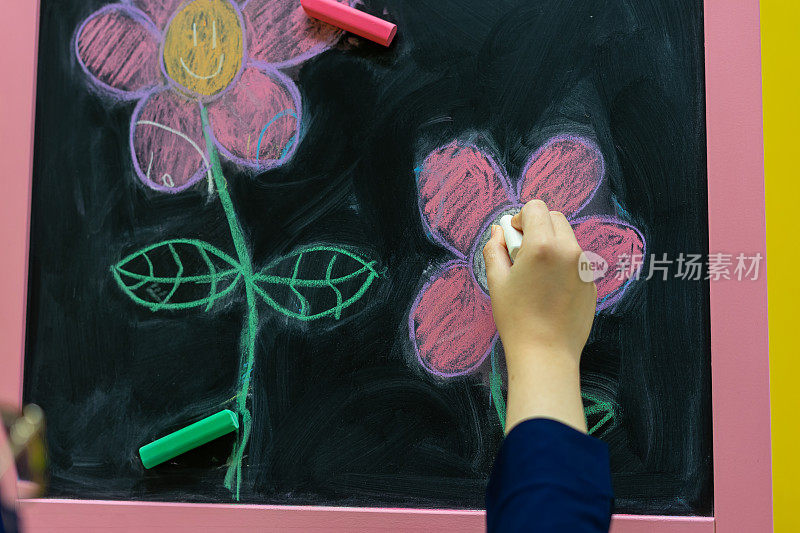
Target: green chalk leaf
pixel 315 282
pixel 177 274
pixel 598 412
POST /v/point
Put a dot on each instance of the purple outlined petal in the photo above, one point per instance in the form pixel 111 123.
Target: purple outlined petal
pixel 118 47
pixel 167 144
pixel 564 173
pixel 459 187
pixel 620 245
pixel 281 34
pixel 450 323
pixel 257 122
pixel 159 11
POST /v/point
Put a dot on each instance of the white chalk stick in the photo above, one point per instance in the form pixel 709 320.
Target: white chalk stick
pixel 512 235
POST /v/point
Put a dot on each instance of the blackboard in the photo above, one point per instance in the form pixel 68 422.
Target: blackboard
pixel 345 409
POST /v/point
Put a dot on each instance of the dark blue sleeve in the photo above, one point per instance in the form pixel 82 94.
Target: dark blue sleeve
pixel 549 477
pixel 8 519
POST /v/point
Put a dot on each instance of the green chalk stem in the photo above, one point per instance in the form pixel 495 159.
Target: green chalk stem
pixel 188 438
pixel 496 391
pixel 233 477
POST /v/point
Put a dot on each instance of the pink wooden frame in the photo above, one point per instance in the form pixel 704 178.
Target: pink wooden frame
pixel 739 346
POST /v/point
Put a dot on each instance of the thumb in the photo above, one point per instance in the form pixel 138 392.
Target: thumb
pixel 495 256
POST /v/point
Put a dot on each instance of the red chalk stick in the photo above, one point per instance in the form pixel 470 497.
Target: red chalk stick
pixel 351 19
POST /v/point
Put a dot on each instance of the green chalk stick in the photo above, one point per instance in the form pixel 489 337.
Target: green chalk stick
pixel 190 437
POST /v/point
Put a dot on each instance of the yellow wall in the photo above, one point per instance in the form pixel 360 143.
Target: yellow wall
pixel 780 49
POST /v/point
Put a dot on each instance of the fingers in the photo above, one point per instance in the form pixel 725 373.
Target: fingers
pixel 534 222
pixel 533 215
pixel 562 228
pixel 495 257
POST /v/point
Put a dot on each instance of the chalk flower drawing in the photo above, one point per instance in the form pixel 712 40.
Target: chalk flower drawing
pixel 177 56
pixel 461 192
pixel 205 72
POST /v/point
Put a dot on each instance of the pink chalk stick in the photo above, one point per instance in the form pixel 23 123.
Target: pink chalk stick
pixel 351 19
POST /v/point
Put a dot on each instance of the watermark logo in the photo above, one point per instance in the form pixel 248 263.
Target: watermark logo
pixel 591 266
pixel 716 266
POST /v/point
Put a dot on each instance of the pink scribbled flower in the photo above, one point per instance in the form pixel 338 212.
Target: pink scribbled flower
pixel 461 192
pixel 177 55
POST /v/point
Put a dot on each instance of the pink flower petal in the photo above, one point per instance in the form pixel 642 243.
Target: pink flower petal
pixel 167 142
pixel 118 47
pixel 159 11
pixel 256 123
pixel 459 188
pixel 451 323
pixel 280 32
pixel 564 173
pixel 620 244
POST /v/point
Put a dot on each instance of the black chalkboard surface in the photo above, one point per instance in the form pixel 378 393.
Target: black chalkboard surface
pixel 286 225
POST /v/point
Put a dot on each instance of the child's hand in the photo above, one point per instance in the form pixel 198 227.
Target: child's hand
pixel 540 303
pixel 543 311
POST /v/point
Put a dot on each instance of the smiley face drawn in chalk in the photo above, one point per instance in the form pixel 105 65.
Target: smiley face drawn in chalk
pixel 204 46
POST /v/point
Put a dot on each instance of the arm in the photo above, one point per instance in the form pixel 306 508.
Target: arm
pixel 549 475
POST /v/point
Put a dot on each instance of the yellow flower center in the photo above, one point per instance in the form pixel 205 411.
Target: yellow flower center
pixel 203 46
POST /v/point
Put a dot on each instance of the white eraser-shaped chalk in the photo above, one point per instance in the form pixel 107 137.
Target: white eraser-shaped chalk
pixel 512 235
